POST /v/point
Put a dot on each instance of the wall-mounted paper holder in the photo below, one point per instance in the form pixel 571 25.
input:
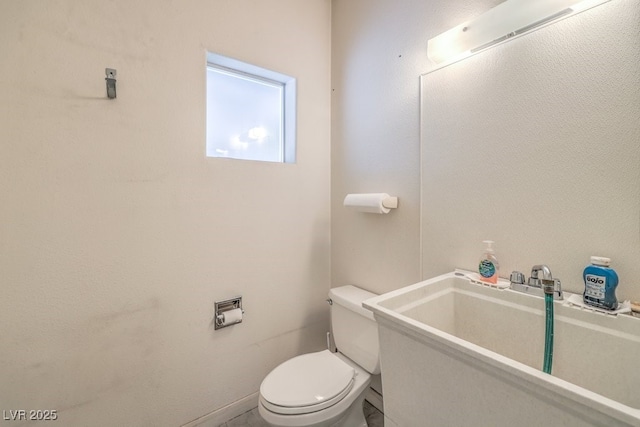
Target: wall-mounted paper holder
pixel 228 312
pixel 379 203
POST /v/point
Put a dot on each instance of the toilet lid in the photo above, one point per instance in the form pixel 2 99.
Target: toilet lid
pixel 307 383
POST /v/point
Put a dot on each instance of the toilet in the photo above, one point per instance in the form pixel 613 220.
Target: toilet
pixel 327 389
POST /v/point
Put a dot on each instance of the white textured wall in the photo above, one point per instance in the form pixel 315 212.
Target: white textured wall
pixel 375 141
pixel 117 233
pixel 535 144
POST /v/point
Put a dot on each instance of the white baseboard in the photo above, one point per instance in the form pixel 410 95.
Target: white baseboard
pixel 375 399
pixel 226 413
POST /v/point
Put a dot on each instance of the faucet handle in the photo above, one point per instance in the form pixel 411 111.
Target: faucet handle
pixel 557 289
pixel 517 277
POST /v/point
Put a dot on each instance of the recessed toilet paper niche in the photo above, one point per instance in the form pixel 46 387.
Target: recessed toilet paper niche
pixel 228 312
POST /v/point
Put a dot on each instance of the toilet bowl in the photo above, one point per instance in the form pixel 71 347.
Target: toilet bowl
pixel 287 396
pixel 325 389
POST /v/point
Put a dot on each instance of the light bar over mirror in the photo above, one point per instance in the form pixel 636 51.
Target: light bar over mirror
pixel 509 19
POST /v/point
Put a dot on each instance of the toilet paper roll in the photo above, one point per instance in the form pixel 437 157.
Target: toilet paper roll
pixel 231 316
pixel 369 202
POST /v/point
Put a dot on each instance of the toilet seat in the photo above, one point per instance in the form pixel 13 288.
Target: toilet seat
pixel 308 383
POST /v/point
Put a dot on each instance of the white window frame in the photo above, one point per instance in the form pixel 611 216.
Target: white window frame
pixel 233 66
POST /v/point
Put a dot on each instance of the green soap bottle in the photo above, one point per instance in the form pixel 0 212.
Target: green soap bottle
pixel 488 266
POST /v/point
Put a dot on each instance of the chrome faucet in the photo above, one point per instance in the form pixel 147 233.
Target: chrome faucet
pixel 541 282
pixel 546 274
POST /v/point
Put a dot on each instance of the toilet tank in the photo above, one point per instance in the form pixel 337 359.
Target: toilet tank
pixel 355 331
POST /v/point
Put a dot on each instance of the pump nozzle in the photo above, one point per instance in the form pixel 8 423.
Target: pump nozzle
pixel 489 243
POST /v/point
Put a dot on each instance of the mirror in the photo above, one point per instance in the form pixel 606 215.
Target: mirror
pixel 535 144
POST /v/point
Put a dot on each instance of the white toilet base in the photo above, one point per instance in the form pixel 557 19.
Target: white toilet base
pixel 354 417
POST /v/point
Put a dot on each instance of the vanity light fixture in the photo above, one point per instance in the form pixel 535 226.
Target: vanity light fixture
pixel 509 19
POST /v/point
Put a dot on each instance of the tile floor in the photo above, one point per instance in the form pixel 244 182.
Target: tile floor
pixel 253 419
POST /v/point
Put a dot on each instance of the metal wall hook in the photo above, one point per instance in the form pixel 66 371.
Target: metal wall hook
pixel 111 82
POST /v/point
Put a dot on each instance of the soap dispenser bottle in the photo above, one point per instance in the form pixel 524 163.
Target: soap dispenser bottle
pixel 600 281
pixel 488 266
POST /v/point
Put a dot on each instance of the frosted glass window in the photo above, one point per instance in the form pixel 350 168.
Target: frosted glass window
pixel 250 112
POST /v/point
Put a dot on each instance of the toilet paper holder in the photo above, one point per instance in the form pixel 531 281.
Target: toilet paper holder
pixel 227 306
pixel 378 203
